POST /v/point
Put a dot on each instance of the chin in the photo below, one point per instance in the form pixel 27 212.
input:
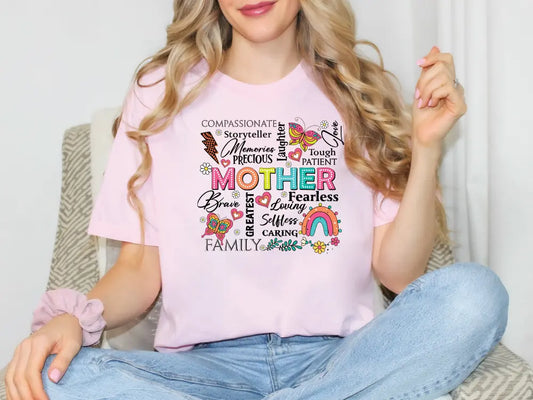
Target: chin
pixel 264 28
pixel 261 35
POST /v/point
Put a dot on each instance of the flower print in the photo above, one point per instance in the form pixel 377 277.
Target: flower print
pixel 237 232
pixel 262 247
pixel 324 124
pixel 283 194
pixel 218 132
pixel 202 220
pixel 235 194
pixel 205 168
pixel 335 241
pixel 288 164
pixel 319 247
pixel 305 241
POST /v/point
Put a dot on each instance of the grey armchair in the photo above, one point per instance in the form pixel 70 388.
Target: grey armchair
pixel 78 263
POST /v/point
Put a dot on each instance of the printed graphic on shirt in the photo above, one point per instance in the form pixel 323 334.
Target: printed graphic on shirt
pixel 270 185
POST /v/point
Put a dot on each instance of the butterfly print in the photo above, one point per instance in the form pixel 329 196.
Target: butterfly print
pixel 216 226
pixel 302 136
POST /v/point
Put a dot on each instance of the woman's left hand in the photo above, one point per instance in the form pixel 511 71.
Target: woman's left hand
pixel 439 102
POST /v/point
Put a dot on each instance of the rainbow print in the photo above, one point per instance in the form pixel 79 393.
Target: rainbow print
pixel 322 216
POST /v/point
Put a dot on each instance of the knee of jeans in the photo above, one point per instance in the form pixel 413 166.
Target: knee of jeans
pixel 475 296
pixel 85 356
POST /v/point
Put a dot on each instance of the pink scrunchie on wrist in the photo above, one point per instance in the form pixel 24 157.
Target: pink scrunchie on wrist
pixel 61 301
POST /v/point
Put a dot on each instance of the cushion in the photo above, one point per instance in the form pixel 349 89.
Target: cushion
pixel 501 375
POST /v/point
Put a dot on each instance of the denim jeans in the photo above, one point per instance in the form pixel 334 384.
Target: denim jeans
pixel 431 337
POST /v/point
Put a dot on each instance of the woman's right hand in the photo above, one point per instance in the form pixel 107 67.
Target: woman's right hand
pixel 62 335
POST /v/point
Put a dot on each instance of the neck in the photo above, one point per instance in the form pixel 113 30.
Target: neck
pixel 261 63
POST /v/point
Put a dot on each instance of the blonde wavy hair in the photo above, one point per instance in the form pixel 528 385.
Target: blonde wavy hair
pixel 377 122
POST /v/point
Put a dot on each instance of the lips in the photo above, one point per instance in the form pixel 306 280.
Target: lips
pixel 257 9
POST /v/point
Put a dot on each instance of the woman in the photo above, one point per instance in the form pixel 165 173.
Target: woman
pixel 261 175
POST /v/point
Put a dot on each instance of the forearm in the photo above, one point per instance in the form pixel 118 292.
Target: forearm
pixel 407 244
pixel 126 292
pixel 403 248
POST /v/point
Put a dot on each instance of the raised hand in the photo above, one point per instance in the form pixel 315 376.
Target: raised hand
pixel 439 99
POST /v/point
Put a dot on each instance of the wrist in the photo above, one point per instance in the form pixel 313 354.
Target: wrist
pixel 427 155
pixel 68 301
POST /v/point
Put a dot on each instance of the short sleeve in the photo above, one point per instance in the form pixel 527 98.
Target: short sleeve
pixel 112 215
pixel 385 209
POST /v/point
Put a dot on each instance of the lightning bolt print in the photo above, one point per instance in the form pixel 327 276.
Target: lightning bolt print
pixel 210 145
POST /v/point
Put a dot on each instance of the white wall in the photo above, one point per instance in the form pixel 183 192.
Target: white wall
pixel 511 163
pixel 59 61
pixel 402 32
pixel 62 59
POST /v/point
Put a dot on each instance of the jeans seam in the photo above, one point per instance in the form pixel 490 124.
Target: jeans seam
pixel 160 387
pixel 272 368
pixel 308 376
pixel 427 389
pixel 185 378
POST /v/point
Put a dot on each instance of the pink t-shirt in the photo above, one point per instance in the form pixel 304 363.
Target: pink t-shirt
pixel 260 225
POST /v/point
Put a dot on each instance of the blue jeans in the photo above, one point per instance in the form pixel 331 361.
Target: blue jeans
pixel 424 345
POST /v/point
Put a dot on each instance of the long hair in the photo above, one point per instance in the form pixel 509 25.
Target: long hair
pixel 377 121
